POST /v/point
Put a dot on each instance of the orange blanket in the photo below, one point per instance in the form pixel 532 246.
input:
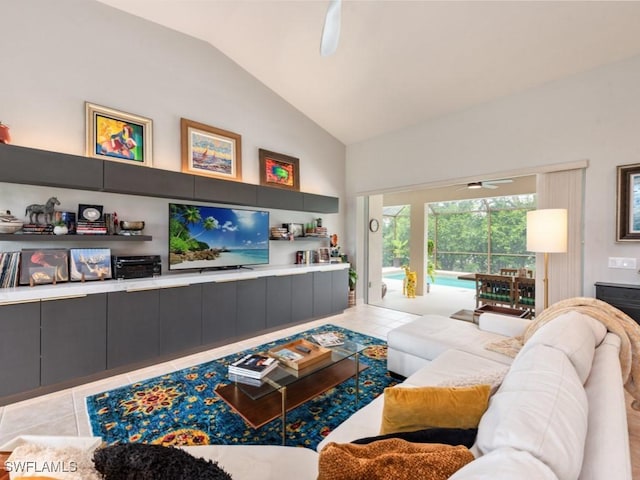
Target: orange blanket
pixel 391 458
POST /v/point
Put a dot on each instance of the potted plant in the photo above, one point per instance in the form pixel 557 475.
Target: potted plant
pixel 60 228
pixel 431 265
pixel 353 277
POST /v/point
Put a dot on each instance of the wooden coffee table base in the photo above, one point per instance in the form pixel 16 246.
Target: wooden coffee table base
pixel 275 405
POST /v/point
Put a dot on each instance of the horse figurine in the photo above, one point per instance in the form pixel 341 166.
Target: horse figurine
pixel 46 210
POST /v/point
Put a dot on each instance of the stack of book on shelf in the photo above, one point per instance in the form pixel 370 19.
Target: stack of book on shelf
pixel 37 229
pixel 254 366
pixel 91 228
pixel 9 263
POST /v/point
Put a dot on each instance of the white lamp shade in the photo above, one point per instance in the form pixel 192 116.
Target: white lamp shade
pixel 547 230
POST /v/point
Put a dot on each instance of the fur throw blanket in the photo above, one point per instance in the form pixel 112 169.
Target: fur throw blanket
pixel 392 458
pixel 616 322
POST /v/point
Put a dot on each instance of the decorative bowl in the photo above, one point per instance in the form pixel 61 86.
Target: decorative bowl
pixel 129 225
pixel 10 227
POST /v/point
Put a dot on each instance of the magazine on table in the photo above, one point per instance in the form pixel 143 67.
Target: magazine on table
pixel 328 339
pixel 254 382
pixel 288 354
pixel 254 365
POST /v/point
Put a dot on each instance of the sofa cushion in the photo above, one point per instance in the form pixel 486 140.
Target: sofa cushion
pixel 392 458
pixel 576 334
pixel 505 464
pixel 540 408
pixel 408 409
pixel 431 335
pixel 506 325
pixel 447 436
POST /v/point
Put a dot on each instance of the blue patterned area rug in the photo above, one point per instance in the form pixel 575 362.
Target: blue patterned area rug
pixel 181 408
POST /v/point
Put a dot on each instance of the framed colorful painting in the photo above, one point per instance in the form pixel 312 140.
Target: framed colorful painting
pixel 628 203
pixel 210 151
pixel 279 170
pixel 47 265
pixel 119 136
pixel 90 264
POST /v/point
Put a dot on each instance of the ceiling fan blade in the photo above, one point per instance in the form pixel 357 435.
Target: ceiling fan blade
pixel 489 186
pixel 331 29
pixel 504 180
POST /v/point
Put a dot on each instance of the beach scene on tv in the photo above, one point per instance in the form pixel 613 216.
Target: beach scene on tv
pixel 216 237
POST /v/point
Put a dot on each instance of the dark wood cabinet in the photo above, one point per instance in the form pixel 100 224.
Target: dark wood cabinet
pixel 219 310
pixel 73 338
pixel 132 327
pixel 180 318
pixel 19 347
pixel 622 296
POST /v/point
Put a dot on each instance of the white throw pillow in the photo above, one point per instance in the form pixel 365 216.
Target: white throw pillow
pixel 505 464
pixel 540 408
pixel 576 334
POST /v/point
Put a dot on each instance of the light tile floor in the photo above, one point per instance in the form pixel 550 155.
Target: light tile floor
pixel 65 412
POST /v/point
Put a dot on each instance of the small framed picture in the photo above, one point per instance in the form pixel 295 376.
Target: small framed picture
pixel 279 170
pixel 42 266
pixel 295 229
pixel 89 213
pixel 210 151
pixel 628 203
pixel 324 255
pixel 90 264
pixel 119 136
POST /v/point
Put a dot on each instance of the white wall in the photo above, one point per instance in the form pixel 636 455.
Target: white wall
pixel 59 54
pixel 594 116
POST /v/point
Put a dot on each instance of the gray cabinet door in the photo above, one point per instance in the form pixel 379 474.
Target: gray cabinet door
pixel 52 169
pixel 73 338
pixel 154 182
pixel 180 318
pixel 270 197
pixel 132 327
pixel 19 347
pixel 301 297
pixel 319 203
pixel 278 301
pixel 224 191
pixel 219 304
pixel 322 293
pixel 252 297
pixel 340 290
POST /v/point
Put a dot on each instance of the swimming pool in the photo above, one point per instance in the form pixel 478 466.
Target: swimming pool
pixel 441 279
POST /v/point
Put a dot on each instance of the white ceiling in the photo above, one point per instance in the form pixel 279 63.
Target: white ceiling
pixel 400 63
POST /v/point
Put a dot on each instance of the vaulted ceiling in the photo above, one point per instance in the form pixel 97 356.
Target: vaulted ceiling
pixel 401 63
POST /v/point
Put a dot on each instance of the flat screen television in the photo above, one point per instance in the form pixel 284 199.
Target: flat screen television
pixel 202 237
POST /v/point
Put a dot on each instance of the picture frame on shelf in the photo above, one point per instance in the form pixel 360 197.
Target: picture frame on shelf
pixel 44 266
pixel 279 170
pixel 324 255
pixel 90 264
pixel 295 229
pixel 90 213
pixel 628 203
pixel 119 136
pixel 210 151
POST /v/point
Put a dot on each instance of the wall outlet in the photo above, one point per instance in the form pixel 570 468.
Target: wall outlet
pixel 622 262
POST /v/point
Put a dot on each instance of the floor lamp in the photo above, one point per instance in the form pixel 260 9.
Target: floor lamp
pixel 547 233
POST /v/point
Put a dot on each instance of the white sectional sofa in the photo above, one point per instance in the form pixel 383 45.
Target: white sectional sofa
pixel 559 413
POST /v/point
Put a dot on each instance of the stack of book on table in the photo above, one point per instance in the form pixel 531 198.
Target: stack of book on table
pixel 254 366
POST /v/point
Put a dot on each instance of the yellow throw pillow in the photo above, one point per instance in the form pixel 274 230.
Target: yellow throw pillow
pixel 408 409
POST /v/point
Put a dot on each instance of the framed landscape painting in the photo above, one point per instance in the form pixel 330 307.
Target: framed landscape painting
pixel 210 151
pixel 90 264
pixel 279 170
pixel 628 203
pixel 116 135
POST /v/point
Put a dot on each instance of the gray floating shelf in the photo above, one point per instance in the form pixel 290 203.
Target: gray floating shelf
pixel 18 237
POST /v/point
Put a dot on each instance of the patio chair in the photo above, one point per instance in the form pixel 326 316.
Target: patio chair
pixel 494 290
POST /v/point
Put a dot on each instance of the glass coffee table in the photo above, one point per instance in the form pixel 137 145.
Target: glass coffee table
pixel 284 388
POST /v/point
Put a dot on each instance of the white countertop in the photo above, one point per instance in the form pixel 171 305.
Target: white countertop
pixel 167 280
